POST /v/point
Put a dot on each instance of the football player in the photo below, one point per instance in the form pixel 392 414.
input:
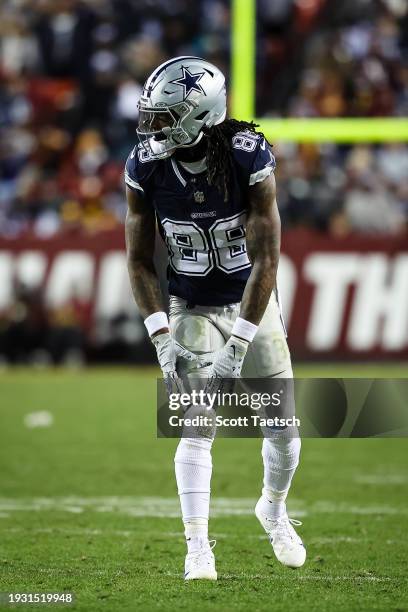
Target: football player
pixel 208 182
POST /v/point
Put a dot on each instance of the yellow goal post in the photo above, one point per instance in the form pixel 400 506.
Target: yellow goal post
pixel 242 92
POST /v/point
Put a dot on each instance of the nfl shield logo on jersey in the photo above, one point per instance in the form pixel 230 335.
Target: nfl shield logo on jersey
pixel 199 197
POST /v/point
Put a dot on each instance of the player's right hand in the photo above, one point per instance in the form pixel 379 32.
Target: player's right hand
pixel 168 352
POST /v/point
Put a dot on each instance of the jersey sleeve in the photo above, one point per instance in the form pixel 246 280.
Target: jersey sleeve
pixel 253 155
pixel 264 163
pixel 133 175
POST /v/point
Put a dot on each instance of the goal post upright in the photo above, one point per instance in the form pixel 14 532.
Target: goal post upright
pixel 243 49
pixel 243 96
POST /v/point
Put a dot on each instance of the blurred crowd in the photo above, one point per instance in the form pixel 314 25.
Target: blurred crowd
pixel 34 332
pixel 71 73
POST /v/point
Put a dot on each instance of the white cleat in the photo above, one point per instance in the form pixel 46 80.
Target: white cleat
pixel 200 565
pixel 287 545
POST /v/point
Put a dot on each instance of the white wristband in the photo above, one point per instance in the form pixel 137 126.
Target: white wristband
pixel 244 329
pixel 156 321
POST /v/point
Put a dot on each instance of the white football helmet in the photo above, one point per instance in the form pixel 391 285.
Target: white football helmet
pixel 179 99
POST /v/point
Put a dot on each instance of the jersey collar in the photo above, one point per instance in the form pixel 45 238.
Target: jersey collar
pixel 177 172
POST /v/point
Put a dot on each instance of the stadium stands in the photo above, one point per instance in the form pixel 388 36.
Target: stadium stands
pixel 70 77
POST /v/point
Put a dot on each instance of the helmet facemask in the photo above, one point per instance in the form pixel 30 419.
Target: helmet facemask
pixel 161 130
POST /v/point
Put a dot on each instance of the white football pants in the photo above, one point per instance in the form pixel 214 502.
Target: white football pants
pixel 205 329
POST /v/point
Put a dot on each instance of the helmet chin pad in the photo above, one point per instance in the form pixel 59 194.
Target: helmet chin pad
pixel 160 145
pixel 159 149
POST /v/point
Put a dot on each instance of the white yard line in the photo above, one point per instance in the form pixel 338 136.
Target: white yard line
pixel 126 533
pixel 382 480
pixel 238 575
pixel 347 578
pixel 326 507
pixel 79 531
pixel 168 507
pixel 304 577
pixel 129 506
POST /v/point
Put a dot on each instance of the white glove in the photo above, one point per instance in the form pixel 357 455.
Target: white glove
pixel 168 352
pixel 227 362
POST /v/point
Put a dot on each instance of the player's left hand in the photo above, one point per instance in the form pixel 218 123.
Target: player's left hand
pixel 227 362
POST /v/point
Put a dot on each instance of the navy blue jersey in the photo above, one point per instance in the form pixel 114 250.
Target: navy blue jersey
pixel 205 235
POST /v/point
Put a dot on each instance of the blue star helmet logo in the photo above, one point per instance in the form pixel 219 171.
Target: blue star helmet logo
pixel 190 82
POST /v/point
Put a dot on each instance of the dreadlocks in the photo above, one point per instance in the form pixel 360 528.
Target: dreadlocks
pixel 219 151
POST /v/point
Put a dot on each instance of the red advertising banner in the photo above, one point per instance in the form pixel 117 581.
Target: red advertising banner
pixel 343 298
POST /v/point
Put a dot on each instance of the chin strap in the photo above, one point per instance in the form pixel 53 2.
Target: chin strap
pixel 161 149
pixel 192 144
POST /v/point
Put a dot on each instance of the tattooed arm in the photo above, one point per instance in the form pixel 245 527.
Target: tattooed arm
pixel 263 245
pixel 140 232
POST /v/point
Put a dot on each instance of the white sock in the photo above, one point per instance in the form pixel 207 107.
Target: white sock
pixel 280 458
pixel 196 532
pixel 193 466
pixel 273 503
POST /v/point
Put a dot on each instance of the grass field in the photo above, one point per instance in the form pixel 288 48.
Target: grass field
pixel 88 504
